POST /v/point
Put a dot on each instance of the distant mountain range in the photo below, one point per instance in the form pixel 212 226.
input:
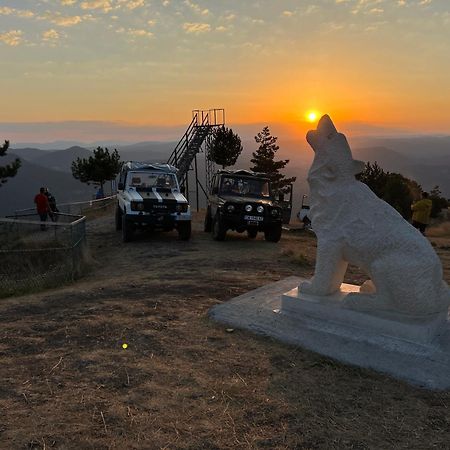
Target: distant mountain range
pixel 424 159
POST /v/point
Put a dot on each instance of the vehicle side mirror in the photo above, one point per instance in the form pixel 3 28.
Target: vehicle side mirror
pixel 215 190
pixel 183 190
pixel 120 186
pixel 281 197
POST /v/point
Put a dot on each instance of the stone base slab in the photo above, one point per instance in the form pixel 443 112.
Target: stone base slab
pixel 416 353
pixel 330 309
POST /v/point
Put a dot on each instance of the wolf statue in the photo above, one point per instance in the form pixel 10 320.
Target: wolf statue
pixel 354 226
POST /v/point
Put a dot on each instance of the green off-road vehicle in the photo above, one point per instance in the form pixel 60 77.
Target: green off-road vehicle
pixel 241 200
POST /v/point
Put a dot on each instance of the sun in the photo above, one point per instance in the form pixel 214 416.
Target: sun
pixel 312 116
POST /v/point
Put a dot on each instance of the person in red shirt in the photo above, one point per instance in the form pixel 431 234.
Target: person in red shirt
pixel 42 206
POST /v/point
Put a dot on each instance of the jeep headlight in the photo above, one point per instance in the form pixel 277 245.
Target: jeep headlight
pixel 275 212
pixel 230 208
pixel 181 207
pixel 260 209
pixel 137 206
pixel 248 208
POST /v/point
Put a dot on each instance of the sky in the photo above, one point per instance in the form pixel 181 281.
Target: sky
pixel 377 64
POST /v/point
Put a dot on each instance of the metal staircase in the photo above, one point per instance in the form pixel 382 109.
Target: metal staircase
pixel 184 155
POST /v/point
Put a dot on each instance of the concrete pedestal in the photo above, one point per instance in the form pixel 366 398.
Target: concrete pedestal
pixel 417 351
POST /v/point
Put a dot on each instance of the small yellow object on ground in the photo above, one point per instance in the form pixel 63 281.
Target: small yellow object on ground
pixel 124 345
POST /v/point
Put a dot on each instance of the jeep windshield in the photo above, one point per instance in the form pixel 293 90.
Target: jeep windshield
pixel 147 181
pixel 244 187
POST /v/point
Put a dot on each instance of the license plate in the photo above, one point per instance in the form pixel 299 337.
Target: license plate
pixel 254 218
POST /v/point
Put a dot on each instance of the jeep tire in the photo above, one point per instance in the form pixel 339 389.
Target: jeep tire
pixel 118 218
pixel 252 232
pixel 184 230
pixel 218 229
pixel 127 229
pixel 273 234
pixel 208 221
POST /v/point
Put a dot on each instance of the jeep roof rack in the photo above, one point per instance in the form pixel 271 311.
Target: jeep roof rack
pixel 245 173
pixel 136 165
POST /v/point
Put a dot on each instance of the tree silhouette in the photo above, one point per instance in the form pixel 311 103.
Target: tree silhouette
pixel 264 161
pixel 100 167
pixel 225 147
pixel 439 202
pixel 395 189
pixel 10 170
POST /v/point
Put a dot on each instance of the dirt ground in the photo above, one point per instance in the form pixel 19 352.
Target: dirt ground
pixel 185 382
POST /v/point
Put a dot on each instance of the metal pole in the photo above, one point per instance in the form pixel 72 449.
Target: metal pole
pixel 196 181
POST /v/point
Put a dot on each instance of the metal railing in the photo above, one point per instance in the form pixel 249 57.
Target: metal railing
pixel 76 208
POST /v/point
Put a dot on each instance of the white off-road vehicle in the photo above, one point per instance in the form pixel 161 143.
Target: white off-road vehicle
pixel 149 195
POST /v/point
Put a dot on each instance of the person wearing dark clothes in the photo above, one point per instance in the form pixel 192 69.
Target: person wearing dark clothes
pixel 52 205
pixel 42 206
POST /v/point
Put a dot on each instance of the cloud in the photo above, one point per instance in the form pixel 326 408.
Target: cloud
pixel 104 5
pixel 135 32
pixel 197 8
pixel 133 4
pixel 166 3
pixel 68 2
pixel 196 28
pixel 7 11
pixel 287 13
pixel 65 21
pixel 221 28
pixel 139 33
pixel 12 38
pixel 376 11
pixel 50 35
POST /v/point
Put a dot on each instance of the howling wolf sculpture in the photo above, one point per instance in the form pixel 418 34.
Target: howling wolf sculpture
pixel 354 226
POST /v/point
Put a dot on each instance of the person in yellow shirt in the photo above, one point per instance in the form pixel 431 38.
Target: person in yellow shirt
pixel 421 212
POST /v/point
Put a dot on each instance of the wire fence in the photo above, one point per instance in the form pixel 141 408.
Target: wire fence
pixel 36 255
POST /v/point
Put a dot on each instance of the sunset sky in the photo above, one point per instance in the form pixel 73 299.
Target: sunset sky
pixel 384 63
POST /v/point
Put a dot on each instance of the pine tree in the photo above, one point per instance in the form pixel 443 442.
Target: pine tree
pixel 264 162
pixel 10 170
pixel 225 147
pixel 100 167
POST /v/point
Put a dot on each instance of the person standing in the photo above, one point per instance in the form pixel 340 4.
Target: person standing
pixel 52 205
pixel 42 206
pixel 421 212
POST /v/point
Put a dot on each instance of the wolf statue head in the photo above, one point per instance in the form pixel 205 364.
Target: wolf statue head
pixel 333 157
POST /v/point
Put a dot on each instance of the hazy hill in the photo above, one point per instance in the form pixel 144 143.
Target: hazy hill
pixel 19 192
pixel 425 148
pixel 62 159
pixel 146 151
pixel 28 153
pixel 404 155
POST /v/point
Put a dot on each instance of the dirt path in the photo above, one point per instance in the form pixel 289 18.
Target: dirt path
pixel 185 382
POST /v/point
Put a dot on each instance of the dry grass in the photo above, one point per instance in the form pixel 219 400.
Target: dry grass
pixel 439 230
pixel 185 382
